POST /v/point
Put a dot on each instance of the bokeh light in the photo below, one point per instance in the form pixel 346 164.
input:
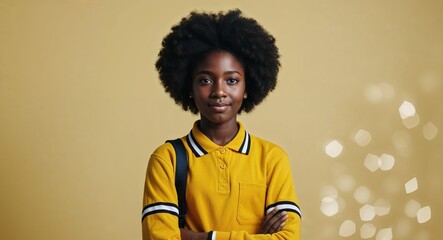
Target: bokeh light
pixel 376 93
pixel 402 141
pixel 345 183
pixel 411 185
pixel 362 194
pixel 367 230
pixel 387 162
pixel 430 82
pixel 424 214
pixel 329 206
pixel 382 207
pixel 412 121
pixel 429 131
pixel 347 228
pixel 406 110
pixel 384 234
pixel 372 162
pixel 329 191
pixel 333 149
pixel 367 213
pixel 362 138
pixel 412 207
pixel 403 228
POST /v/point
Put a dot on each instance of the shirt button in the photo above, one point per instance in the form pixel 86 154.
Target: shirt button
pixel 222 165
pixel 222 150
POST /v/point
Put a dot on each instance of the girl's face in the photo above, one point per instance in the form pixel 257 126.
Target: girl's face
pixel 218 87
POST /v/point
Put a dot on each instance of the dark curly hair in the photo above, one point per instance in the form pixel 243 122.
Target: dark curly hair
pixel 201 33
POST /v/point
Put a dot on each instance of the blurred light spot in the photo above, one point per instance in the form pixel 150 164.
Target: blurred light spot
pixel 334 149
pixel 367 230
pixel 372 162
pixel 341 203
pixel 387 90
pixel 411 122
pixel 329 191
pixel 377 92
pixel 367 212
pixel 406 110
pixel 362 194
pixel 424 214
pixel 382 207
pixel 422 235
pixel 412 208
pixel 430 131
pixel 362 138
pixel 347 228
pixel 329 206
pixel 403 229
pixel 402 140
pixel 384 234
pixel 429 82
pixel 387 162
pixel 373 93
pixel 345 183
pixel 411 185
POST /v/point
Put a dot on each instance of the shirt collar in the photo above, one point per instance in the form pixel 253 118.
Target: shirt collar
pixel 200 144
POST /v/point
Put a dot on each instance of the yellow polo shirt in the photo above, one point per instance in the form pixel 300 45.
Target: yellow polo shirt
pixel 229 189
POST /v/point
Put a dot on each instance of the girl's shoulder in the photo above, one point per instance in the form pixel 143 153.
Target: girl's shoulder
pixel 263 145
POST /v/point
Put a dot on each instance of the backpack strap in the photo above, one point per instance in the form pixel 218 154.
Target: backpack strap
pixel 180 178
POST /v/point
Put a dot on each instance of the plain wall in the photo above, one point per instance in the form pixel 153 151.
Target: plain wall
pixel 81 110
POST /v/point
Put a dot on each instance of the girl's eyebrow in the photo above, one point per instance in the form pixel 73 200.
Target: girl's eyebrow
pixel 231 72
pixel 225 73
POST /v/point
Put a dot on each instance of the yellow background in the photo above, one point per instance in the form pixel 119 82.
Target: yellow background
pixel 82 109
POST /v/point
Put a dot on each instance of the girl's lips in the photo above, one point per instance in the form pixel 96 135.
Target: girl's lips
pixel 218 104
pixel 219 107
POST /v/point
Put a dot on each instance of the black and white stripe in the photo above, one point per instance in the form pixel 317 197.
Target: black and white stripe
pixel 195 147
pixel 211 235
pixel 284 206
pixel 246 145
pixel 160 207
pixel 200 151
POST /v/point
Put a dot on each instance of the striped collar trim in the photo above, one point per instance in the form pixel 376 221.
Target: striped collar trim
pixel 246 145
pixel 202 145
pixel 195 147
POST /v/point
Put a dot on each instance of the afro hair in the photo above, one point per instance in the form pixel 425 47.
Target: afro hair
pixel 201 33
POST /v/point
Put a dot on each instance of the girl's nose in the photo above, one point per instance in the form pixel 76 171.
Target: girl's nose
pixel 219 89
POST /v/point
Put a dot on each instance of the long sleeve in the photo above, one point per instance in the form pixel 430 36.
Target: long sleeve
pixel 160 210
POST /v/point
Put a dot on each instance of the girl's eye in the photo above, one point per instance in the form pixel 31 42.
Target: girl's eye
pixel 205 81
pixel 232 81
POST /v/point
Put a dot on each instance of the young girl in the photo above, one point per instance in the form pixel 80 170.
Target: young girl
pixel 238 185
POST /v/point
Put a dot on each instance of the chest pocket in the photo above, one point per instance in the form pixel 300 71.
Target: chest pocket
pixel 251 203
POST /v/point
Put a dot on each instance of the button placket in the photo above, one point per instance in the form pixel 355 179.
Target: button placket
pixel 223 171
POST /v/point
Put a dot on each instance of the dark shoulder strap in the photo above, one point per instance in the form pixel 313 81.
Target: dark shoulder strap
pixel 180 178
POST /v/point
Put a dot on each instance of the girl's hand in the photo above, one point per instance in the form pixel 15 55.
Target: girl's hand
pixel 273 222
pixel 187 234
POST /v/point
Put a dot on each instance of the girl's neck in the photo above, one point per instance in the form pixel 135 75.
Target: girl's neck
pixel 219 133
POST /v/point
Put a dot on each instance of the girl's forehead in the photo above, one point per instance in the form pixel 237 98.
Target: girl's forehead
pixel 220 60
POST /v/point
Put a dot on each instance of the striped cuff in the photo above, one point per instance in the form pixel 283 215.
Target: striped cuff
pixel 284 206
pixel 211 235
pixel 160 207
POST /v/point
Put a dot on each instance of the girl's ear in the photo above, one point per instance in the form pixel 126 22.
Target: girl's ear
pixel 245 95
